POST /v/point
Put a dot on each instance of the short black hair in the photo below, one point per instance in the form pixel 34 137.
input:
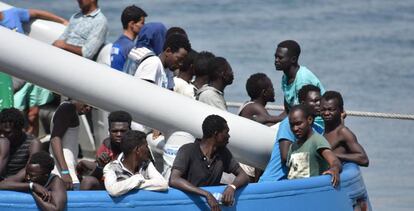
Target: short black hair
pixel 119 116
pixel 255 85
pixel 201 63
pixel 176 30
pixel 177 41
pixel 213 123
pixel 304 108
pixel 188 61
pixel 329 95
pixel 217 66
pixel 44 160
pixel 303 92
pixel 292 46
pixel 13 116
pixel 132 13
pixel 131 140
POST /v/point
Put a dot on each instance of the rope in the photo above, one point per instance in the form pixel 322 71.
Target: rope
pixel 349 113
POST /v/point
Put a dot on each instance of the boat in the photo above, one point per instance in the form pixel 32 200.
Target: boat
pixel 76 77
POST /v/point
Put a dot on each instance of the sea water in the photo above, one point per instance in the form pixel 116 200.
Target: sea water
pixel 364 49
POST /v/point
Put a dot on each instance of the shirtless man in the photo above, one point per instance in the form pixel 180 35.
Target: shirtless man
pixel 342 140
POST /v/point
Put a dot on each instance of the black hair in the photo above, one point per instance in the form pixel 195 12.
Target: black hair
pixel 13 116
pixel 329 95
pixel 292 46
pixel 213 123
pixel 131 140
pixel 132 13
pixel 44 160
pixel 119 116
pixel 201 63
pixel 304 108
pixel 303 92
pixel 177 41
pixel 255 85
pixel 188 61
pixel 216 67
pixel 176 30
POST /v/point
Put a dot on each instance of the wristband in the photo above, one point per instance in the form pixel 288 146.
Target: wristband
pixel 31 186
pixel 232 186
pixel 64 172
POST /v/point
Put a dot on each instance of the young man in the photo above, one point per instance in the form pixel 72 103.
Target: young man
pixel 64 140
pixel 260 90
pixel 310 96
pixel 203 162
pixel 16 147
pixel 201 70
pixel 220 75
pixel 342 140
pixel 119 123
pixel 86 32
pixel 311 154
pixel 182 82
pixel 154 69
pixel 133 19
pixel 47 189
pixel 133 168
pixel 294 76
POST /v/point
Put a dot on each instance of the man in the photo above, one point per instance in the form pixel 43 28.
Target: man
pixel 64 140
pixel 47 189
pixel 16 147
pixel 220 75
pixel 133 19
pixel 27 96
pixel 119 123
pixel 201 70
pixel 182 82
pixel 310 96
pixel 86 32
pixel 342 140
pixel 133 168
pixel 260 90
pixel 203 162
pixel 311 154
pixel 294 76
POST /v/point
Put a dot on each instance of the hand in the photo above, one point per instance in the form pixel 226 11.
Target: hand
pixel 228 196
pixel 103 159
pixel 60 44
pixel 335 176
pixel 42 192
pixel 212 202
pixel 67 179
pixel 85 167
pixel 155 134
pixel 65 22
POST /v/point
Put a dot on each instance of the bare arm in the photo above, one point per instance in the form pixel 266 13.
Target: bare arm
pixel 241 180
pixel 335 166
pixel 58 196
pixel 41 14
pixel 178 182
pixel 68 47
pixel 356 153
pixel 284 149
pixel 4 154
pixel 57 149
pixel 259 114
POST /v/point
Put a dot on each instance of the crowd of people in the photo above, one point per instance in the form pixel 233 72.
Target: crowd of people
pixel 311 136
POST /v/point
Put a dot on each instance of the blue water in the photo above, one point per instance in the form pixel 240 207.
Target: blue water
pixel 364 49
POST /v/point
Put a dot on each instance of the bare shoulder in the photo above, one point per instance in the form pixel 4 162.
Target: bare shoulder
pixel 347 134
pixel 57 184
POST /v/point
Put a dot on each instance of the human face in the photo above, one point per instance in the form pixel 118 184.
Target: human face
pixel 300 125
pixel 10 132
pixel 117 130
pixel 269 91
pixel 313 100
pixel 35 173
pixel 223 137
pixel 174 60
pixel 330 110
pixel 82 108
pixel 85 4
pixel 137 26
pixel 228 75
pixel 143 152
pixel 282 59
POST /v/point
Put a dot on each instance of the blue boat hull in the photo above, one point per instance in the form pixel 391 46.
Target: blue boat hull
pixel 303 194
